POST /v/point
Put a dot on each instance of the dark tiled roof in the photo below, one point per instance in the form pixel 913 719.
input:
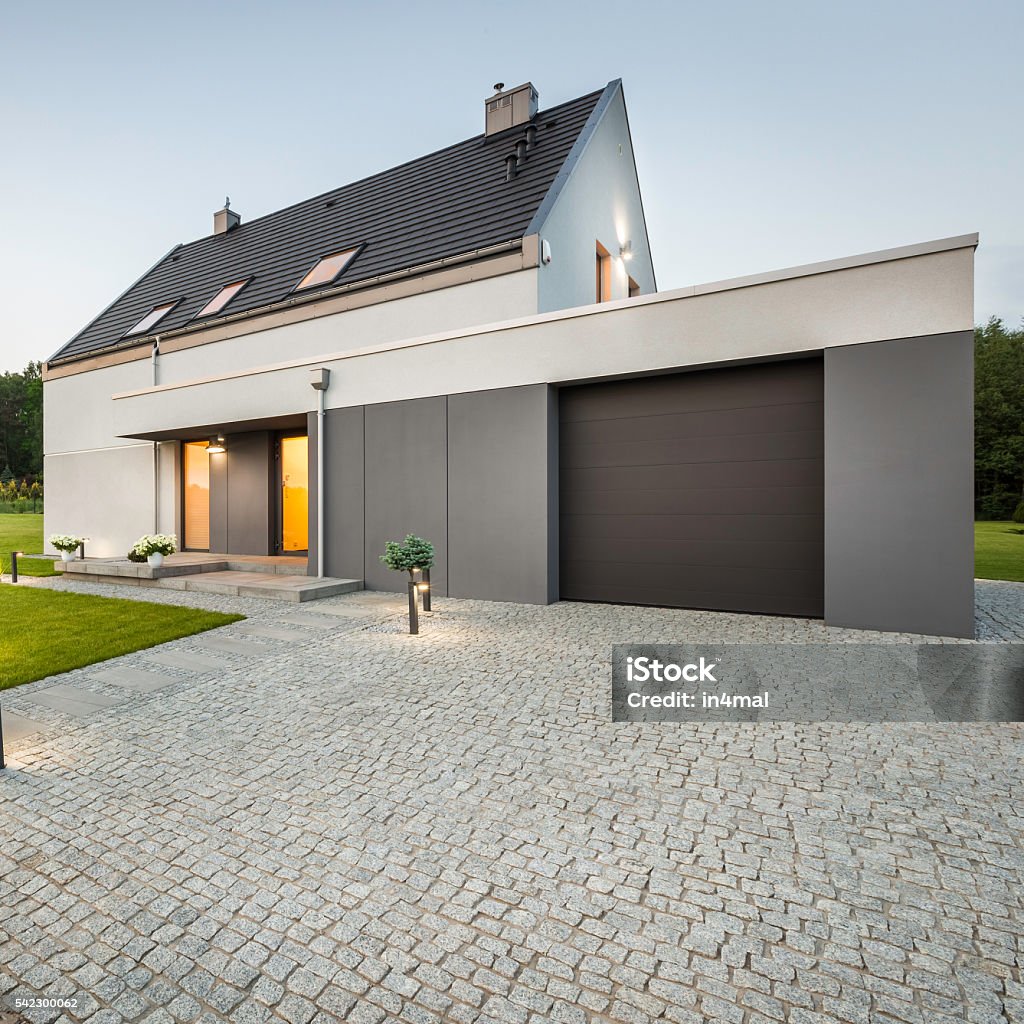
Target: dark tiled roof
pixel 450 202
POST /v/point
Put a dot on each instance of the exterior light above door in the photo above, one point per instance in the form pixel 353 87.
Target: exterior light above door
pixel 216 445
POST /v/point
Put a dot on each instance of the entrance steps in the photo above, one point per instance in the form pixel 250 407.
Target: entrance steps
pixel 273 578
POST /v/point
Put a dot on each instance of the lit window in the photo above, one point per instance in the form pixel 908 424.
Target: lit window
pixel 222 298
pixel 152 318
pixel 326 269
pixel 603 291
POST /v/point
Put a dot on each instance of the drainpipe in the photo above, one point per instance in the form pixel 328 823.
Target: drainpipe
pixel 320 379
pixel 155 363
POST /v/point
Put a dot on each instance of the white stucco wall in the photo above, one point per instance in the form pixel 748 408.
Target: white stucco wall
pixel 600 202
pixel 477 302
pixel 907 295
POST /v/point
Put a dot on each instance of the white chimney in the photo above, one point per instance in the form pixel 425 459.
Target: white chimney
pixel 226 220
pixel 507 109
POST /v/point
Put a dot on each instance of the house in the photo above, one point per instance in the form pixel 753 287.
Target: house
pixel 493 368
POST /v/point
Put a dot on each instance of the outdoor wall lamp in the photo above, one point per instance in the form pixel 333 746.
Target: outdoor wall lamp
pixel 216 445
pixel 626 249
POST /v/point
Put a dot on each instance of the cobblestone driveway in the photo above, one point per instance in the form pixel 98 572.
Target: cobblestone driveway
pixel 341 821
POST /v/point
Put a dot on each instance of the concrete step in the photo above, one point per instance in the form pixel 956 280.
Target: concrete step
pixel 280 567
pixel 187 564
pixel 273 586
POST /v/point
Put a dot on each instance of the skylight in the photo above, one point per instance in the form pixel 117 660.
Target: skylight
pixel 327 269
pixel 152 318
pixel 222 298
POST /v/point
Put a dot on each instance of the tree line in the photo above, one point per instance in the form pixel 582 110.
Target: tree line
pixel 998 420
pixel 21 425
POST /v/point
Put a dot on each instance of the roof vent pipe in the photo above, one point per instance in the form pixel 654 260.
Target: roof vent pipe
pixel 531 137
pixel 511 162
pixel 521 149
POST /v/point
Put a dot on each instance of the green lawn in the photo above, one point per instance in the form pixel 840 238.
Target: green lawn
pixel 24 532
pixel 999 551
pixel 48 631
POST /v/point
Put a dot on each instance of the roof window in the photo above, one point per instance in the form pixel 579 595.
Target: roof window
pixel 152 318
pixel 222 298
pixel 326 269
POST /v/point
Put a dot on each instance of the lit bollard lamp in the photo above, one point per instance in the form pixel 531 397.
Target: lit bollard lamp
pixel 3 763
pixel 414 613
pixel 425 588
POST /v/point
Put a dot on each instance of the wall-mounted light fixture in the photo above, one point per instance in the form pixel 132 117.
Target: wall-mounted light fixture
pixel 216 445
pixel 626 249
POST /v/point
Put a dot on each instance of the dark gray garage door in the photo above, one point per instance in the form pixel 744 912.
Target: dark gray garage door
pixel 696 490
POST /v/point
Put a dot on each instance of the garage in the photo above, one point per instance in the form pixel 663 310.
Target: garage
pixel 696 490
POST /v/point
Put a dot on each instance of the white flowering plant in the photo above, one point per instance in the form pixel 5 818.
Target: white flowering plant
pixel 66 541
pixel 156 544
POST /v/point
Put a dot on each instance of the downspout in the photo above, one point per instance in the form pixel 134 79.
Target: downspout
pixel 155 363
pixel 320 379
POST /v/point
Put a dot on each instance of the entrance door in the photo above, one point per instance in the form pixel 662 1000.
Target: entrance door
pixel 294 480
pixel 197 496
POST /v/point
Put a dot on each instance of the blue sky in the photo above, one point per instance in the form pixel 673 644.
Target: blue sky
pixel 766 135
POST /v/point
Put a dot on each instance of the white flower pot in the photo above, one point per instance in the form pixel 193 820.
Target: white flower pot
pixel 68 556
pixel 155 559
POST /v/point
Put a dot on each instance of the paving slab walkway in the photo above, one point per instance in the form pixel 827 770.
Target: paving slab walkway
pixel 355 824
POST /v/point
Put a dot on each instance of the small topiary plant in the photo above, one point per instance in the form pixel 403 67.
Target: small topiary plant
pixel 1018 513
pixel 413 553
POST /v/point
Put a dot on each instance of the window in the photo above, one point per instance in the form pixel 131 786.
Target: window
pixel 327 269
pixel 152 318
pixel 196 480
pixel 222 298
pixel 603 288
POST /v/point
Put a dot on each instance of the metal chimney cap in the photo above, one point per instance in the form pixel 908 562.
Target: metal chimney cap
pixel 498 86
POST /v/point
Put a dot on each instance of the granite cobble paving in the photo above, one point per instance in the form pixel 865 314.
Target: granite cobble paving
pixel 342 822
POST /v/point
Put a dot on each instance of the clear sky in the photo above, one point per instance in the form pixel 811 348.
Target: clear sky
pixel 767 134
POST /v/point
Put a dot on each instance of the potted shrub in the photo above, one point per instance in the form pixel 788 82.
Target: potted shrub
pixel 154 546
pixel 67 544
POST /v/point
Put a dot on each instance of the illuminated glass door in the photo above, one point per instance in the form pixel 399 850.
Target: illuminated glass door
pixel 294 494
pixel 197 496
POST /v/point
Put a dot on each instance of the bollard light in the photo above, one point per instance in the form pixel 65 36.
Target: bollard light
pixel 414 615
pixel 425 587
pixel 3 763
pixel 14 569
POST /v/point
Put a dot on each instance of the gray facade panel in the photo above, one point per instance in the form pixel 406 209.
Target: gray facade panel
pixel 219 502
pixel 405 485
pixel 899 456
pixel 343 495
pixel 499 514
